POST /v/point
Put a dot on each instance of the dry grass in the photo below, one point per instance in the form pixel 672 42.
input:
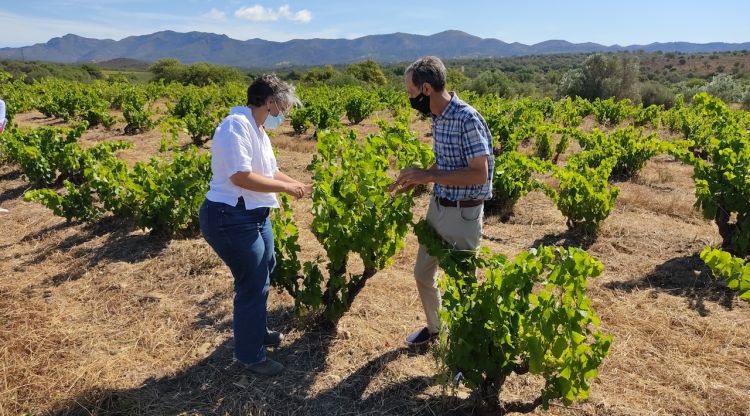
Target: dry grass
pixel 101 319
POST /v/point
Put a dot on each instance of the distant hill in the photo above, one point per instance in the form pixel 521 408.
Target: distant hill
pixel 124 63
pixel 396 47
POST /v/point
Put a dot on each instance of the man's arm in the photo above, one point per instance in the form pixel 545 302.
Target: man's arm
pixel 474 174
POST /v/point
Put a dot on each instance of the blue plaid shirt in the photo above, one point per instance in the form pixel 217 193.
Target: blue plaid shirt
pixel 460 134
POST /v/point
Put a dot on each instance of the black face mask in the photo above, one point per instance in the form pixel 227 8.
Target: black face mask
pixel 421 103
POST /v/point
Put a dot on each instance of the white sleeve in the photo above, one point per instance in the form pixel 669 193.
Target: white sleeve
pixel 2 112
pixel 232 149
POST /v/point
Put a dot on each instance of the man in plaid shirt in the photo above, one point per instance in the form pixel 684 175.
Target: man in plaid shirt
pixel 462 177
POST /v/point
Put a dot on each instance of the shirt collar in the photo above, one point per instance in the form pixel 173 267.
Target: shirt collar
pixel 452 104
pixel 245 111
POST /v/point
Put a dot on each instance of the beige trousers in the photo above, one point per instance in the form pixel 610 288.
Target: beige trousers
pixel 460 227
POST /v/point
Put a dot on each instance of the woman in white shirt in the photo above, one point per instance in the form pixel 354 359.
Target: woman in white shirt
pixel 234 217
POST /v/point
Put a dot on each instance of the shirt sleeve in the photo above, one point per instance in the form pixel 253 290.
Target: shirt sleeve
pixel 233 149
pixel 475 140
pixel 2 112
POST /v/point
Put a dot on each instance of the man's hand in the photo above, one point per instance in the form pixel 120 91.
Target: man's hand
pixel 408 178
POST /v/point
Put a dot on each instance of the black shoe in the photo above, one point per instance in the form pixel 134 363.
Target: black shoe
pixel 421 337
pixel 272 339
pixel 267 368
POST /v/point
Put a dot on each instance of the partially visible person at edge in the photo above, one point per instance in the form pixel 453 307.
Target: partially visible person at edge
pixel 3 121
pixel 234 217
pixel 462 177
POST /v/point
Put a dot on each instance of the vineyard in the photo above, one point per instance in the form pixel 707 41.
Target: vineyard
pixel 612 278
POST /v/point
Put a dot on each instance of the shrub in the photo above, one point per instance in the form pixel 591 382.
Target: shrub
pixel 359 106
pixel 653 93
pixel 602 77
pixel 746 99
pixel 367 71
pixel 489 82
pixel 723 86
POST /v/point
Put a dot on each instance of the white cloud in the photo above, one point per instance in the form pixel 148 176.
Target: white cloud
pixel 216 15
pixel 259 13
pixel 256 13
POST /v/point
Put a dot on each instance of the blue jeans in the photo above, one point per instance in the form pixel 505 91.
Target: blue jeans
pixel 243 239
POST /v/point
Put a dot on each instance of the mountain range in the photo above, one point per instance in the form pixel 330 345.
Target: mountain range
pixel 258 53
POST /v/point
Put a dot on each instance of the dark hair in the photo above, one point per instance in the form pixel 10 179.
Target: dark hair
pixel 429 69
pixel 267 86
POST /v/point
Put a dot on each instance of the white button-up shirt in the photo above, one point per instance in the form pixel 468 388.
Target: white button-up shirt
pixel 240 146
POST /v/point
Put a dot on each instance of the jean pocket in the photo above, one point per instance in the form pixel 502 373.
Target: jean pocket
pixel 471 214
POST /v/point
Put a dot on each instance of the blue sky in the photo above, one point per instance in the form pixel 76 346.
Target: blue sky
pixel 25 22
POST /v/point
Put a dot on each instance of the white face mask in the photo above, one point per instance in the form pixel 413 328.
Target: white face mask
pixel 273 122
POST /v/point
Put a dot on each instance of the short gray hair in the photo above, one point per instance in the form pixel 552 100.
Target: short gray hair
pixel 429 69
pixel 270 86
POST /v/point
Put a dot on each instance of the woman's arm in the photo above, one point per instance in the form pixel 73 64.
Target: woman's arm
pixel 283 177
pixel 258 183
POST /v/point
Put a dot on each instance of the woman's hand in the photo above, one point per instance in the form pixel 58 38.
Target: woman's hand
pixel 298 189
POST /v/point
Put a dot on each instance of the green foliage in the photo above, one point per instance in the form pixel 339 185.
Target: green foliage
pixel 603 77
pixel 723 86
pixel 367 71
pixel 136 112
pixel 323 108
pixel 585 197
pixel 634 149
pixel 611 112
pixel 530 314
pixel 561 146
pixel 76 203
pixel 298 118
pixel 45 155
pixel 199 111
pixel 629 147
pixel 402 144
pixel 354 213
pixel 567 113
pixel 543 145
pixel 746 99
pixel 647 116
pixel 89 168
pixel 512 122
pixel 315 75
pixel 719 150
pixel 734 270
pixel 161 195
pixel 32 71
pixel 18 96
pixel 306 289
pixel 201 73
pixel 489 82
pixel 654 93
pixel 511 180
pixel 454 78
pixel 394 100
pixel 73 101
pixel 359 105
pixel 169 192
